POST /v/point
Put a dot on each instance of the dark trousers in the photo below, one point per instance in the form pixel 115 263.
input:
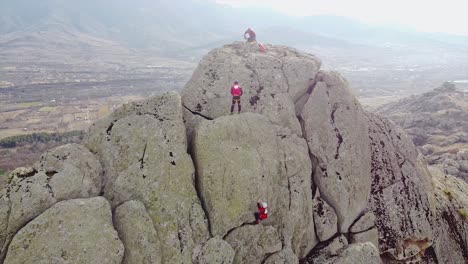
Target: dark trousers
pixel 252 39
pixel 234 100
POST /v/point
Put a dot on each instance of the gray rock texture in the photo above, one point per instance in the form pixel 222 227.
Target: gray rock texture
pixel 254 160
pixel 437 122
pixel 337 142
pixel 272 82
pixel 451 231
pixel 143 149
pixel 366 222
pixel 78 231
pixel 137 233
pixel 402 193
pixel 285 256
pixel 178 178
pixel 216 250
pixel 63 173
pixel 326 221
pixel 253 242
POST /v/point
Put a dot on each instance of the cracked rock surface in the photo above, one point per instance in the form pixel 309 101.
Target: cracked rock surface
pixel 402 195
pixel 341 145
pixel 66 172
pixel 78 231
pixel 177 178
pixel 144 155
pixel 272 82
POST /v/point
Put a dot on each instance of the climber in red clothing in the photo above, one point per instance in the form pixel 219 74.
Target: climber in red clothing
pixel 236 92
pixel 250 35
pixel 262 211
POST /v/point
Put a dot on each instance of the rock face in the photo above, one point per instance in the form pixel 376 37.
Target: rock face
pixel 216 250
pixel 451 232
pixel 254 160
pixel 272 82
pixel 78 231
pixel 401 192
pixel 437 122
pixel 143 149
pixel 136 230
pixel 326 221
pixel 337 142
pixel 253 242
pixel 179 178
pixel 64 173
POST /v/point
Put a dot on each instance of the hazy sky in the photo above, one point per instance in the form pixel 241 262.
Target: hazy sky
pixel 450 16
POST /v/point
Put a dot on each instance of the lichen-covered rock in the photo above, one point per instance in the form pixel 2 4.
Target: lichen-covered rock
pixel 451 228
pixel 363 253
pixel 401 192
pixel 371 235
pixel 366 222
pixel 285 256
pixel 143 150
pixel 254 159
pixel 253 242
pixel 73 170
pixel 272 82
pixel 66 172
pixel 78 231
pixel 336 131
pixel 326 221
pixel 216 250
pixel 137 233
pixel 327 250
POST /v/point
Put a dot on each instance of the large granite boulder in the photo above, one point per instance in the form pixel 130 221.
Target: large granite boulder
pixel 78 231
pixel 137 233
pixel 451 228
pixel 66 172
pixel 272 82
pixel 253 160
pixel 252 243
pixel 402 194
pixel 216 250
pixel 336 131
pixel 143 150
pixel 326 221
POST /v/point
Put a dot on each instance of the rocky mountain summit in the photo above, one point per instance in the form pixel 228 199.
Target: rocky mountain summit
pixel 437 121
pixel 176 178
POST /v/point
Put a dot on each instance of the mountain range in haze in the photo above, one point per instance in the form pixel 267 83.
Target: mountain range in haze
pixel 188 29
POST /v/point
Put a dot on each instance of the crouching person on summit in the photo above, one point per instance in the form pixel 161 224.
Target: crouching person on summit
pixel 262 213
pixel 236 92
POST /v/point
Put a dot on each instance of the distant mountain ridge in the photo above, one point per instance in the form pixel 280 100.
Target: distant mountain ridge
pixel 177 25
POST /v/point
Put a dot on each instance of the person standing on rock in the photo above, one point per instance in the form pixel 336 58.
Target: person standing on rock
pixel 236 92
pixel 262 213
pixel 250 36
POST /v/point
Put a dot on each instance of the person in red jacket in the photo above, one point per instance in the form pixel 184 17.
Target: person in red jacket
pixel 250 35
pixel 236 92
pixel 262 212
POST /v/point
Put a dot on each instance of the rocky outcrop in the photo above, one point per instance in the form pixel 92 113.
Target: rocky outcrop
pixel 253 243
pixel 451 231
pixel 143 150
pixel 216 250
pixel 337 142
pixel 402 194
pixel 285 256
pixel 137 233
pixel 437 121
pixel 272 82
pixel 326 221
pixel 78 231
pixel 64 173
pixel 183 177
pixel 254 160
